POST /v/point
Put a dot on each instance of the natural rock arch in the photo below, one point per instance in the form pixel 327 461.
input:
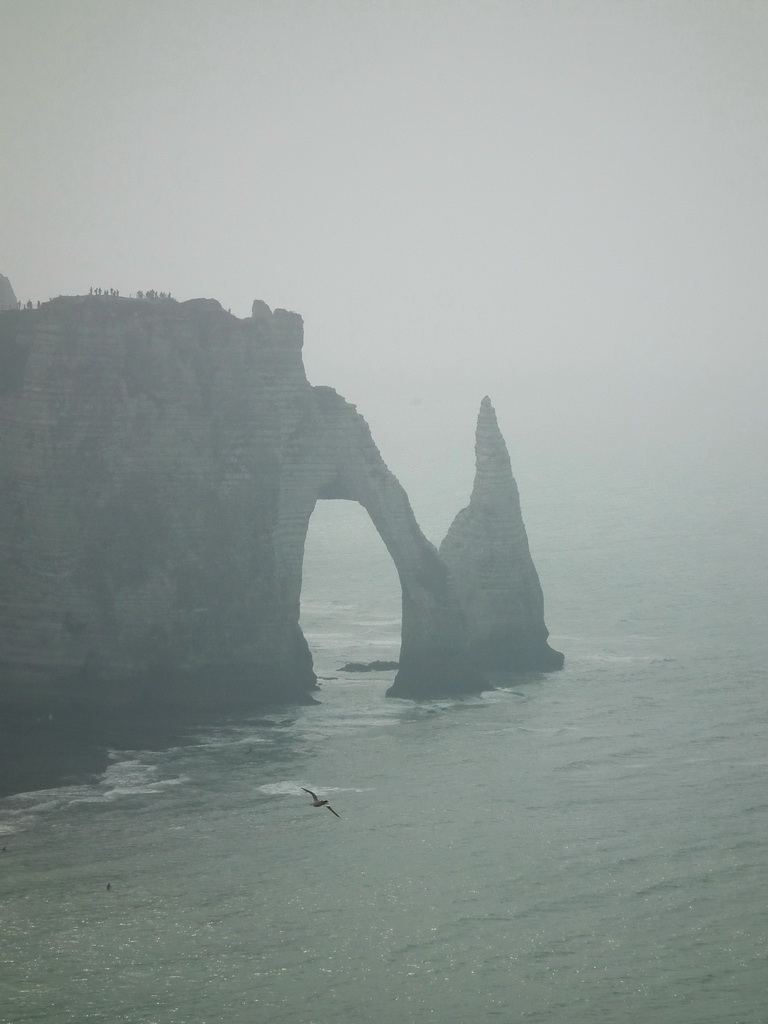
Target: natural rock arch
pixel 159 467
pixel 333 456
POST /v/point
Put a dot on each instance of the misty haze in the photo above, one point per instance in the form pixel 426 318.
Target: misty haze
pixel 382 431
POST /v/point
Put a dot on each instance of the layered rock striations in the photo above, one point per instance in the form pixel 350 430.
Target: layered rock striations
pixel 486 551
pixel 140 475
pixel 159 465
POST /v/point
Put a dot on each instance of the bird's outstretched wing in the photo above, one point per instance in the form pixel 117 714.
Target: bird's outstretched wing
pixel 332 810
pixel 313 795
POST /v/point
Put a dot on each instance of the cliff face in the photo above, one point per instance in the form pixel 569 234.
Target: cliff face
pixel 158 468
pixel 140 478
pixel 486 551
pixel 7 295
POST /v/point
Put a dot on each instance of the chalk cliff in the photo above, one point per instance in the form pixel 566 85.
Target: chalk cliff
pixel 140 476
pixel 486 551
pixel 159 465
pixel 7 294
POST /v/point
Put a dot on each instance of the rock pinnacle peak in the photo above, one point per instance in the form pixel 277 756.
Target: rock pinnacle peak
pixel 493 471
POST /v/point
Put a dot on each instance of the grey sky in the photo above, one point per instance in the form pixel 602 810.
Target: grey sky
pixel 561 204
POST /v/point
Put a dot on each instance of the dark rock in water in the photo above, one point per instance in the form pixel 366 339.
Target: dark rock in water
pixel 486 551
pixel 369 666
pixel 159 465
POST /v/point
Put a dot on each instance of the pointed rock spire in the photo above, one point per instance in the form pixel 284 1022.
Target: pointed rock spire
pixel 487 554
pixel 495 486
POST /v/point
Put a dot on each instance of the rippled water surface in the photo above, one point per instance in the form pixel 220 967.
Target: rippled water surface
pixel 582 847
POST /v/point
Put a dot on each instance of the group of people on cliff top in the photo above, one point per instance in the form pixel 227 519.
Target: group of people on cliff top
pixel 111 292
pixel 151 293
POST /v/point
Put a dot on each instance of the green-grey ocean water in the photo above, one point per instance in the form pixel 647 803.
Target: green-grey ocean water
pixel 582 847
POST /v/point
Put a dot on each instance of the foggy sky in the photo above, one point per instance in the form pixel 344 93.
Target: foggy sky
pixel 560 204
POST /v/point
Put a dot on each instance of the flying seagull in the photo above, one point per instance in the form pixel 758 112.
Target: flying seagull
pixel 320 803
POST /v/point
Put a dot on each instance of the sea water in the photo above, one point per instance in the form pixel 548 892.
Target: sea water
pixel 586 846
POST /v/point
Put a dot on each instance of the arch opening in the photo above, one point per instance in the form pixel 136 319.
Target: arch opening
pixel 351 598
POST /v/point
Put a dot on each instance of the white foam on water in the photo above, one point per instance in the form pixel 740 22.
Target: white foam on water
pixel 289 787
pixel 286 788
pixel 126 778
